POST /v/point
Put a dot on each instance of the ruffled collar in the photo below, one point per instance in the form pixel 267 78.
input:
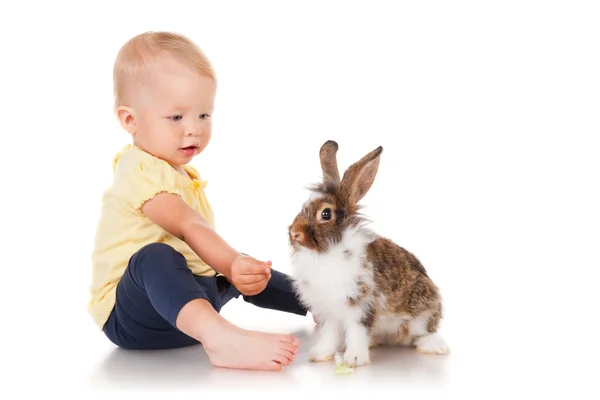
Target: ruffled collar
pixel 195 181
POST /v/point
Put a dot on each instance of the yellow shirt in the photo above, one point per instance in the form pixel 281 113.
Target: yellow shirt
pixel 123 228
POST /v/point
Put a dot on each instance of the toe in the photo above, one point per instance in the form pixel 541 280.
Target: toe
pixel 282 360
pixel 274 366
pixel 289 347
pixel 290 339
pixel 285 353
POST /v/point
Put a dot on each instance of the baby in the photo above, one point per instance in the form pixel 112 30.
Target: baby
pixel 161 274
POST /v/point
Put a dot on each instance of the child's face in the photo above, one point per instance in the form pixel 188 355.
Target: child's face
pixel 171 114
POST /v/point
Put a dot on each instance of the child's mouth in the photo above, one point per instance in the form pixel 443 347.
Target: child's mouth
pixel 189 150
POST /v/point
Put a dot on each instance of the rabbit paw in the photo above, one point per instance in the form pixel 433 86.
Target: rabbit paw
pixel 432 344
pixel 327 344
pixel 356 357
pixel 320 353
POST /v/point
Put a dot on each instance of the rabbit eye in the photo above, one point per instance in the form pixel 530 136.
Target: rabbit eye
pixel 326 214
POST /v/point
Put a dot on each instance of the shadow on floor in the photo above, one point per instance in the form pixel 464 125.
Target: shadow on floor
pixel 190 368
pixel 185 367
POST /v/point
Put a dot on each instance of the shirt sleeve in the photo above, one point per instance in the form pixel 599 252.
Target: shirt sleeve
pixel 140 177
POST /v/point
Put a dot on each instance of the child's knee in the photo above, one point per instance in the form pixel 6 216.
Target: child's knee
pixel 158 254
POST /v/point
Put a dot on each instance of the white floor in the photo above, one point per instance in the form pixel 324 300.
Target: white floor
pixel 190 369
pixel 497 361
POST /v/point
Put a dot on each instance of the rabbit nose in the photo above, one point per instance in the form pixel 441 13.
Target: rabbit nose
pixel 297 236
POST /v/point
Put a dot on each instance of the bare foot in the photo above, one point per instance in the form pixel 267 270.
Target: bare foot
pixel 238 348
pixel 229 346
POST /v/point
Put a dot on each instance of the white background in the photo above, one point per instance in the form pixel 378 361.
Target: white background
pixel 489 118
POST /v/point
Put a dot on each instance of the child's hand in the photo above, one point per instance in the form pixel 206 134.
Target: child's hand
pixel 249 275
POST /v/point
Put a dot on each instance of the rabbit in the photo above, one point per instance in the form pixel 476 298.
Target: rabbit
pixel 363 289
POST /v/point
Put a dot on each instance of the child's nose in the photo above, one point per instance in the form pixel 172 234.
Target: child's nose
pixel 193 130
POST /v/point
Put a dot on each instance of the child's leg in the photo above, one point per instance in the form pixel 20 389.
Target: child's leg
pixel 155 285
pixel 278 295
pixel 160 304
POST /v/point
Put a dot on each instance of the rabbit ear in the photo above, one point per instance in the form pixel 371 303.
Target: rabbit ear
pixel 359 177
pixel 327 154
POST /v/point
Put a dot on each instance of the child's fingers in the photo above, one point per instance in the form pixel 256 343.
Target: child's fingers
pixel 252 289
pixel 251 279
pixel 254 261
pixel 263 263
pixel 256 268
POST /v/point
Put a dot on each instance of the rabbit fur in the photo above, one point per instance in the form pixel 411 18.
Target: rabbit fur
pixel 364 289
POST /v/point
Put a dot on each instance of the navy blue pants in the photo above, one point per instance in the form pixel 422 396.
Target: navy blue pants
pixel 156 285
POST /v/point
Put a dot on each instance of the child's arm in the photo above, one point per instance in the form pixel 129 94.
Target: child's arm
pixel 171 213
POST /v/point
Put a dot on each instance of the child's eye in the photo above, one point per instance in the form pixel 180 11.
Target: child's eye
pixel 204 116
pixel 176 117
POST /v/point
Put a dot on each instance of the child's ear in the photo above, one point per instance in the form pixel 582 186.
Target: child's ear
pixel 126 117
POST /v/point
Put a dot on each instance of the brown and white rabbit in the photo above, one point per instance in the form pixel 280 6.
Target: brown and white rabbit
pixel 363 289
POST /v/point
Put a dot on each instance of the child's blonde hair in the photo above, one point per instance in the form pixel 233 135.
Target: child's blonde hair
pixel 143 50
